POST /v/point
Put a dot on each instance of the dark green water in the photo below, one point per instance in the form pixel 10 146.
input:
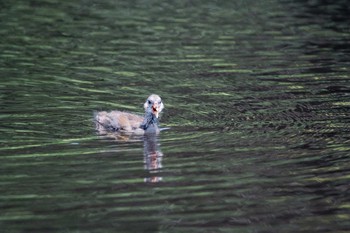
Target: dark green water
pixel 256 93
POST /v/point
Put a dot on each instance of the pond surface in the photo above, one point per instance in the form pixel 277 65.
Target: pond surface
pixel 257 99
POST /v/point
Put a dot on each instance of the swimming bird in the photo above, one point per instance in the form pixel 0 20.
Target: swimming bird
pixel 124 122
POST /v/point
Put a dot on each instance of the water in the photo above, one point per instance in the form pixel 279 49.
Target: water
pixel 256 98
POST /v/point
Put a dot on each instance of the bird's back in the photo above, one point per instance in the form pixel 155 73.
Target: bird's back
pixel 117 121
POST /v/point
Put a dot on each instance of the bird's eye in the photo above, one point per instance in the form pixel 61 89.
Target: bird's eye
pixel 149 102
pixel 160 102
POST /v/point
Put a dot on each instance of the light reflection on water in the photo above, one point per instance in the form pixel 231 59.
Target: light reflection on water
pixel 257 104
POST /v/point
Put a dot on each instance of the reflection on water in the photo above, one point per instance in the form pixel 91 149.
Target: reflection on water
pixel 257 97
pixel 152 155
pixel 152 158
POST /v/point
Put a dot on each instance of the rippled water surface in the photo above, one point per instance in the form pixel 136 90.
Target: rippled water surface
pixel 257 99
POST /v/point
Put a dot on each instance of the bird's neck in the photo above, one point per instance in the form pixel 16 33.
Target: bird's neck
pixel 149 119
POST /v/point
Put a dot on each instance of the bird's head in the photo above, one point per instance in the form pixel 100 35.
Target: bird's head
pixel 153 105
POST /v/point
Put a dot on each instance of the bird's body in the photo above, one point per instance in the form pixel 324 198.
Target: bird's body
pixel 124 122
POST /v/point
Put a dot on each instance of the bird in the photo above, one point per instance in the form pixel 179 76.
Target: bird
pixel 129 123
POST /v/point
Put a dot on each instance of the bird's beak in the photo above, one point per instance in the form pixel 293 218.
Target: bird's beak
pixel 155 109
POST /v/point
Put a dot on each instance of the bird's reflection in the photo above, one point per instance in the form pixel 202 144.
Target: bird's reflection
pixel 152 158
